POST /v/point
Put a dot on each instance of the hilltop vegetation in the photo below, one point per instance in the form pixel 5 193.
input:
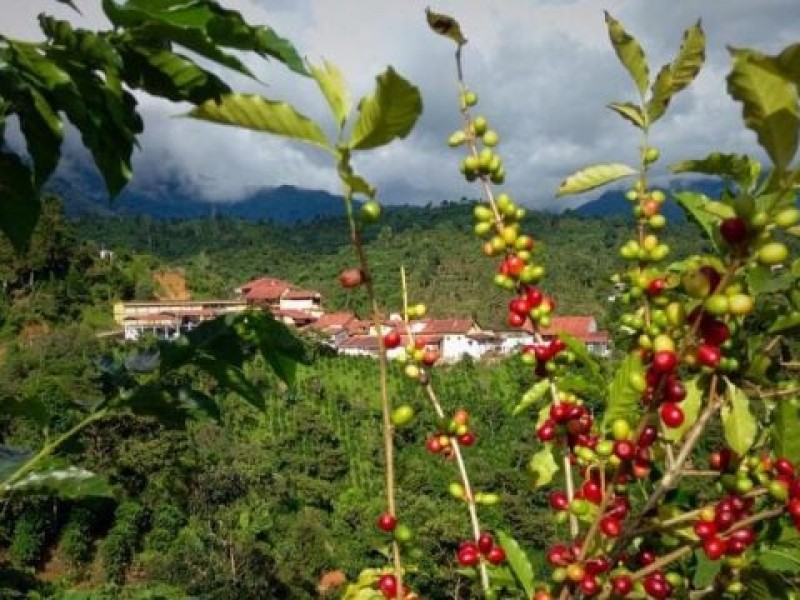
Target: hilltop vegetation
pixel 436 246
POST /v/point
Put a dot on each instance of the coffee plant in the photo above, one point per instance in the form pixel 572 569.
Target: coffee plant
pixel 707 358
pixel 708 347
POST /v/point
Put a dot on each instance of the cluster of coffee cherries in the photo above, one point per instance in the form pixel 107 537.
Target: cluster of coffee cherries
pixel 471 552
pixel 483 163
pixel 387 583
pixel 549 357
pixel 457 428
pixel 529 303
pixel 416 356
pixel 568 420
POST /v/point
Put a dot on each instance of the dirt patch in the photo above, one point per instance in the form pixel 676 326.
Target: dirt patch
pixel 171 285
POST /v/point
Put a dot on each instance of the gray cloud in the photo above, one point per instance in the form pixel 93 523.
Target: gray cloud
pixel 544 71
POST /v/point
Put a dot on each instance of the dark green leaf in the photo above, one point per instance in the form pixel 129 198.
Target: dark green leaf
pixel 624 401
pixel 446 26
pixel 782 560
pixel 19 202
pixel 43 131
pixel 205 28
pixel 249 111
pixel 697 208
pixel 389 113
pixel 660 94
pixel 168 75
pixel 769 103
pixel 629 111
pixel 763 585
pixel 761 280
pixel 786 322
pixel 630 53
pixel 581 352
pixel 737 167
pixel 519 562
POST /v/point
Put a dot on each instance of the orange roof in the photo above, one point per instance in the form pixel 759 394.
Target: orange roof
pixel 365 342
pixel 576 326
pixel 264 289
pixel 334 321
pixel 446 326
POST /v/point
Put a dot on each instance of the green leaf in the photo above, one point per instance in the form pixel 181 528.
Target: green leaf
pixel 769 103
pixel 593 177
pixel 581 352
pixel 55 476
pixel 738 423
pixel 630 53
pixel 629 111
pixel 624 401
pixel 334 88
pixel 19 202
pixel 250 111
pixel 691 408
pixel 789 63
pixel 532 396
pixel 674 77
pixel 278 345
pixel 705 571
pixel 763 585
pixel 543 466
pixel 203 27
pixel 389 113
pixel 519 562
pixel 738 167
pixel 698 209
pixel 446 26
pixel 169 75
pixel 43 131
pixel 786 323
pixel 781 560
pixel 761 280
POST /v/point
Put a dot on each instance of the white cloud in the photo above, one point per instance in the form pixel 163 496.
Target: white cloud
pixel 543 68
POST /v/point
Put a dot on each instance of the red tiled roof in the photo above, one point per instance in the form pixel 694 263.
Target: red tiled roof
pixel 576 326
pixel 365 342
pixel 334 321
pixel 446 326
pixel 357 326
pixel 264 289
pixel 598 337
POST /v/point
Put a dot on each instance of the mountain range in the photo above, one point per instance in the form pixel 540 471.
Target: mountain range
pixel 83 193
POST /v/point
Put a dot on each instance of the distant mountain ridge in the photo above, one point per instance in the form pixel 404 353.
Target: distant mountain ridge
pixel 613 203
pixel 83 193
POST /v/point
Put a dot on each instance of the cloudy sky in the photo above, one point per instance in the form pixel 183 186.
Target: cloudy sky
pixel 544 71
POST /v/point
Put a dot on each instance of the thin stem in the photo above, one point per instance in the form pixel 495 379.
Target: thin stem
pixel 465 481
pixel 386 407
pixel 462 468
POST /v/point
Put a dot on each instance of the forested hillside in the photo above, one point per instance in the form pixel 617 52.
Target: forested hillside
pixel 435 244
